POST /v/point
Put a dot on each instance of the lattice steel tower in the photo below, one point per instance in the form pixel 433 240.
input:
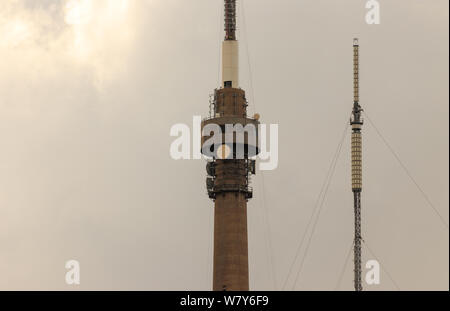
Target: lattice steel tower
pixel 356 123
pixel 229 166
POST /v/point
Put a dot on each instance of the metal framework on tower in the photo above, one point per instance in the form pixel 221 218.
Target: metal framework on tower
pixel 356 150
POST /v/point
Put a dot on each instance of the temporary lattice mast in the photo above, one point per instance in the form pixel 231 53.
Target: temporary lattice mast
pixel 356 123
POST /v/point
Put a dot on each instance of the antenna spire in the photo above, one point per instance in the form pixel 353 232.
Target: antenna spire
pixel 230 20
pixel 355 70
pixel 230 48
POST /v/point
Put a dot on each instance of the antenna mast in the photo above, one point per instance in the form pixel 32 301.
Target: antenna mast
pixel 356 122
pixel 230 20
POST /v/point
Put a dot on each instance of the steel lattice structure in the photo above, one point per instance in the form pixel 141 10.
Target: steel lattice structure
pixel 356 145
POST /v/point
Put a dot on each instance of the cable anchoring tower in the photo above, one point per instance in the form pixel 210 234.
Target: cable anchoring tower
pixel 356 145
pixel 230 166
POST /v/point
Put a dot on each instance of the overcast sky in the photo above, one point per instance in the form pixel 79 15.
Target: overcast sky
pixel 90 89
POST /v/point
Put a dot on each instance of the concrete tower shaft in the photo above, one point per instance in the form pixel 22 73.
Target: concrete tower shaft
pixel 230 242
pixel 228 185
pixel 229 166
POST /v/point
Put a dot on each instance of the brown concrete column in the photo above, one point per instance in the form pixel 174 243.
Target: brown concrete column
pixel 230 242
